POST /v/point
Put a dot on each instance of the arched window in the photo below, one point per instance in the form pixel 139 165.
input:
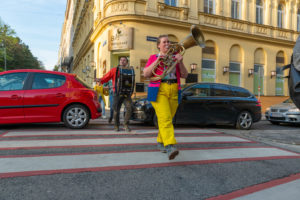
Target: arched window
pixel 280 16
pixel 209 6
pixel 171 2
pixel 208 71
pixel 235 9
pixel 279 73
pixel 259 11
pixel 235 65
pixel 259 63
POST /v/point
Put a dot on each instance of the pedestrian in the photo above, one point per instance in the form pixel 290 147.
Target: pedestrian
pixel 164 95
pixel 111 101
pixel 119 96
pixel 100 93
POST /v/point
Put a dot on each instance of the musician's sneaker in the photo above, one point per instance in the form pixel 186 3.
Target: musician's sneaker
pixel 161 147
pixel 117 128
pixel 172 151
pixel 126 128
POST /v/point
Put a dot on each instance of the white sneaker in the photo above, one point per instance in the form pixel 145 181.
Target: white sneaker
pixel 103 117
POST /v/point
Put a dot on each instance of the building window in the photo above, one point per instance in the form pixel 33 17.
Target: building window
pixel 258 79
pixel 280 16
pixel 209 6
pixel 235 9
pixel 259 11
pixel 171 2
pixel 234 73
pixel 208 72
pixel 298 20
pixel 279 74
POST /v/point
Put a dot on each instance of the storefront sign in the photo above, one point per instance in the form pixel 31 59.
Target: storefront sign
pixel 120 38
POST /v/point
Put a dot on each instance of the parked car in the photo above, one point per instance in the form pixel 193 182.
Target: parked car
pixel 285 112
pixel 208 103
pixel 34 96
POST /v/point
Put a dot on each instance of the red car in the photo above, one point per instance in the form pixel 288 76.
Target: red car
pixel 35 96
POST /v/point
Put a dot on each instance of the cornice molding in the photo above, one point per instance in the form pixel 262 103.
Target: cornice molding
pixel 101 26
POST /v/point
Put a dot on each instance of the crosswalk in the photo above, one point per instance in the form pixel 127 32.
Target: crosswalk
pixel 195 148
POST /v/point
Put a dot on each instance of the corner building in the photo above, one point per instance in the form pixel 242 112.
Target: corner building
pixel 247 41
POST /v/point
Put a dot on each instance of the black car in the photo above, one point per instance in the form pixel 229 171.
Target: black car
pixel 208 103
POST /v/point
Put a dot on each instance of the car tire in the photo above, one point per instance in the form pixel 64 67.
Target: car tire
pixel 244 120
pixel 275 123
pixel 155 123
pixel 76 116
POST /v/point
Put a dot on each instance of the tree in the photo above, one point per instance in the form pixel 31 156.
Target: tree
pixel 56 68
pixel 18 54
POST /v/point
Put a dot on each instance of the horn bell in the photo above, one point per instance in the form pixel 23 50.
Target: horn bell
pixel 195 38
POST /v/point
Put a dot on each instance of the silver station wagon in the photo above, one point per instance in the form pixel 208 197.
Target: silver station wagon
pixel 285 112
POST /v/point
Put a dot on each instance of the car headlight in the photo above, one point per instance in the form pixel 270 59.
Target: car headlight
pixel 294 110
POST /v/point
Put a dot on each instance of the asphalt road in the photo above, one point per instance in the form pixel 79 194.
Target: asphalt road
pixel 67 164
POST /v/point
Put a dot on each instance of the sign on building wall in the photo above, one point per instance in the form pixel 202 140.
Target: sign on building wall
pixel 120 38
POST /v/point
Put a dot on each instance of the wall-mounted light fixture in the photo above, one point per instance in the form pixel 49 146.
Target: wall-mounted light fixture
pixel 225 69
pixel 273 73
pixel 193 67
pixel 250 72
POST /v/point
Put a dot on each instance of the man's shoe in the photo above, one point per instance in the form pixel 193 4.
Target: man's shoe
pixel 117 128
pixel 172 151
pixel 126 128
pixel 161 147
pixel 109 120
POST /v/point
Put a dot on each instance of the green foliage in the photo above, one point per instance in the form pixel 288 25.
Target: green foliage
pixel 56 68
pixel 18 54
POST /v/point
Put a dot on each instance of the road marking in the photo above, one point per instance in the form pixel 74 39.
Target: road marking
pixel 47 143
pixel 285 188
pixel 100 132
pixel 26 166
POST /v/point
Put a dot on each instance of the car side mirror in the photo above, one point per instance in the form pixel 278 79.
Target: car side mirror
pixel 187 94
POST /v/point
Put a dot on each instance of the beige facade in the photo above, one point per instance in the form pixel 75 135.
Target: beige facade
pixel 247 41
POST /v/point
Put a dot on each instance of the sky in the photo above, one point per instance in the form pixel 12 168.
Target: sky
pixel 38 23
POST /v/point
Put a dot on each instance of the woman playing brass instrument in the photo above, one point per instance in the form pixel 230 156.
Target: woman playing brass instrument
pixel 164 93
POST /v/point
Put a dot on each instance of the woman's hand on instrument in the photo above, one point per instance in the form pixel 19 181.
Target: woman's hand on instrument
pixel 179 57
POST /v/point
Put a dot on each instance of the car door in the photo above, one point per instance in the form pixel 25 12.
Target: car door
pixel 192 109
pixel 11 97
pixel 220 105
pixel 43 102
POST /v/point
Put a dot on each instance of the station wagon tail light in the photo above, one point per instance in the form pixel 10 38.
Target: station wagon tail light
pixel 258 103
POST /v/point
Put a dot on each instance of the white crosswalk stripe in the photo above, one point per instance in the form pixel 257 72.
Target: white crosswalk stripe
pixel 111 141
pixel 9 165
pixel 100 132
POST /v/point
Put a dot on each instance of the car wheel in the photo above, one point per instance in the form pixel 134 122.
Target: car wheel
pixel 76 116
pixel 155 123
pixel 275 123
pixel 244 121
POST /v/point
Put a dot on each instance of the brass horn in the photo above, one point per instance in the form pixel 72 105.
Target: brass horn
pixel 195 38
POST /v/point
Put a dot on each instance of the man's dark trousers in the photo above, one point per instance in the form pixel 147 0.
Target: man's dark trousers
pixel 118 100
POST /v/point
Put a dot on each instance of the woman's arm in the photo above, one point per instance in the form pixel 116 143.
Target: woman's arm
pixel 183 70
pixel 148 69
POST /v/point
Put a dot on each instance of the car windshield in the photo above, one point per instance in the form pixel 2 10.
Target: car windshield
pixel 82 82
pixel 289 100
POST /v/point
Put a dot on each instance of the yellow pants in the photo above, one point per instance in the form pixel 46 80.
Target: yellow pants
pixel 165 108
